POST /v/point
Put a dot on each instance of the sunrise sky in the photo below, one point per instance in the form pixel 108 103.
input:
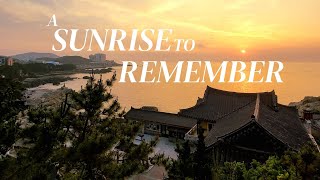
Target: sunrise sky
pixel 273 29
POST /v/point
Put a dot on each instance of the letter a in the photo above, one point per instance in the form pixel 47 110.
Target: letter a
pixel 53 20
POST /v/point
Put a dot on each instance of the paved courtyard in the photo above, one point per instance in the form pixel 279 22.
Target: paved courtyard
pixel 163 146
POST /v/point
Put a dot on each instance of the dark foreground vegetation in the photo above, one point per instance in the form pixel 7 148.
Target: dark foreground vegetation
pixel 73 141
pixel 199 165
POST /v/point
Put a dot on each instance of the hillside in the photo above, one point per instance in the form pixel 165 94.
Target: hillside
pixel 312 103
pixel 73 60
pixel 76 60
pixel 34 55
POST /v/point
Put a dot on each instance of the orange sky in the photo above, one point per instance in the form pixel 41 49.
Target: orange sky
pixel 273 29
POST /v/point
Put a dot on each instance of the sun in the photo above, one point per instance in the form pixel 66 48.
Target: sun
pixel 243 51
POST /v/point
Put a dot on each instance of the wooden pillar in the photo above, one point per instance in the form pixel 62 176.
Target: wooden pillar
pixel 228 154
pixel 218 155
pixel 222 156
pixel 198 128
pixel 143 126
pixel 232 154
pixel 214 157
pixel 236 155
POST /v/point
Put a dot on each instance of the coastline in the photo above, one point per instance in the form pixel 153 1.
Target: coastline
pixel 61 76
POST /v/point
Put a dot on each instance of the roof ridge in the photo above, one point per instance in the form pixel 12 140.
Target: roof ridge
pixel 257 108
pixel 192 107
pixel 274 134
pixel 221 117
pixel 235 110
pixel 237 92
pixel 175 114
pixel 206 94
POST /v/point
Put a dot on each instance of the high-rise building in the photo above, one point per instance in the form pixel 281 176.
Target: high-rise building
pixel 6 61
pixel 97 57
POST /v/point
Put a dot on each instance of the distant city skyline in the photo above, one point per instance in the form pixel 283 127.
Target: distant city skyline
pixel 244 29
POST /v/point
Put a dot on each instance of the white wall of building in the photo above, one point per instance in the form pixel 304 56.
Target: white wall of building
pixel 97 57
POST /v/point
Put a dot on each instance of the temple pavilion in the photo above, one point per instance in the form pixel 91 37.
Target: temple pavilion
pixel 236 126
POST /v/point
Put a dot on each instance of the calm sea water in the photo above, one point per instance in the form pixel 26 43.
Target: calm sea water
pixel 300 80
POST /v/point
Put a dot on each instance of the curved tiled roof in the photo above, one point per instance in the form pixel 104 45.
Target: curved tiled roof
pixel 160 117
pixel 284 124
pixel 230 123
pixel 231 112
pixel 280 121
pixel 218 103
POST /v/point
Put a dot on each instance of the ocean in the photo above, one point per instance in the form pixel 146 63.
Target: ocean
pixel 299 80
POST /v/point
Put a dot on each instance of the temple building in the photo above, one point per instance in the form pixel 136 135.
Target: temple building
pixel 236 126
pixel 161 123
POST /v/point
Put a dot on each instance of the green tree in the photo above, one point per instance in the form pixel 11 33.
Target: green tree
pixel 305 164
pixel 202 160
pixel 231 171
pixel 293 165
pixel 11 95
pixel 182 167
pixel 78 140
pixel 271 169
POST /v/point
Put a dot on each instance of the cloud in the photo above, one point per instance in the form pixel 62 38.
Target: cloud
pixel 23 11
pixel 102 13
pixel 238 4
pixel 166 6
pixel 212 23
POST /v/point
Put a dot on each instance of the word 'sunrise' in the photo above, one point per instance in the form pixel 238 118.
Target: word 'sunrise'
pixel 112 39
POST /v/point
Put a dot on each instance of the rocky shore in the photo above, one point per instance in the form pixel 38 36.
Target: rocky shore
pixel 309 102
pixel 55 80
pixel 46 97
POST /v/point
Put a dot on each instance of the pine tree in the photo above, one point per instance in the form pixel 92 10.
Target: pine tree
pixel 96 130
pixel 202 161
pixel 182 167
pixel 78 139
pixel 11 96
pixel 304 164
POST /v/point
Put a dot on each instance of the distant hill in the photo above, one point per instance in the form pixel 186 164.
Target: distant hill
pixel 77 60
pixel 34 55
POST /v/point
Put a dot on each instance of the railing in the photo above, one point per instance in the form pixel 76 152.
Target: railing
pixel 192 135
